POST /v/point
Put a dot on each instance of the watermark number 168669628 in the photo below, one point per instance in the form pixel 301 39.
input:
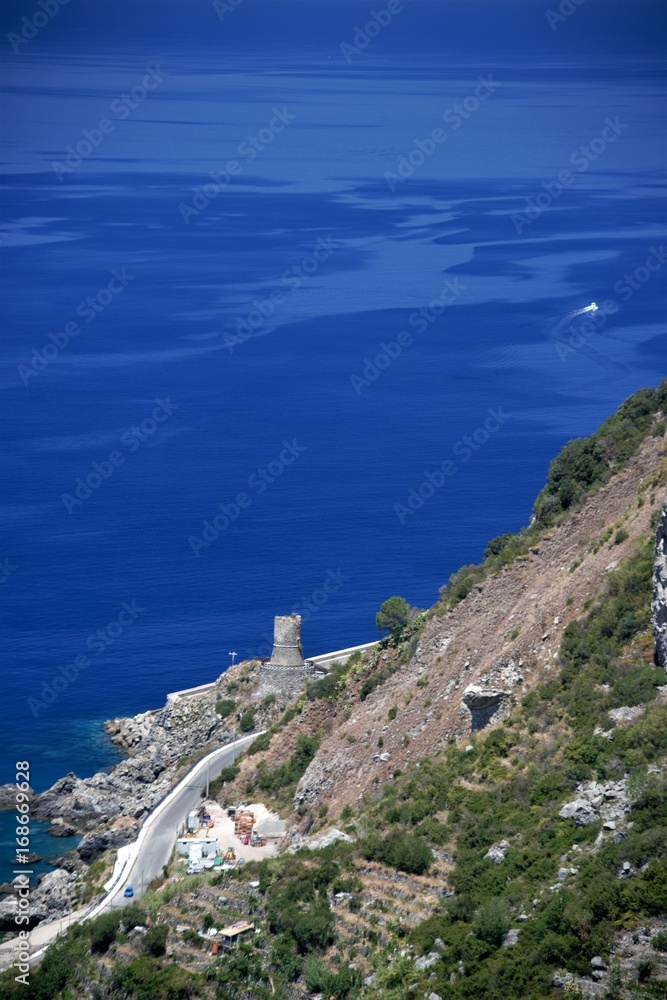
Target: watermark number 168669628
pixel 23 873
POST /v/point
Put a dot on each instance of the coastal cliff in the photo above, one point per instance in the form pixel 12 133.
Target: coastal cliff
pixel 481 795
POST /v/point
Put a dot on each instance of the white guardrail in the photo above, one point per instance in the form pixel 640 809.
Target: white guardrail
pixel 129 853
pixel 340 655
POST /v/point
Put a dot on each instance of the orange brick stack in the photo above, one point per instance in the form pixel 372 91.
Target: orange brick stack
pixel 243 824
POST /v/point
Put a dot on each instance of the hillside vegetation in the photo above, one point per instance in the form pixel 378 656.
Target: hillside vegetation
pixel 524 858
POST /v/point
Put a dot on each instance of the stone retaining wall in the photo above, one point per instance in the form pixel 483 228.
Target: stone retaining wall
pixel 283 682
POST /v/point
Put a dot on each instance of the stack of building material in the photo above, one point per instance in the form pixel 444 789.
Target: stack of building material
pixel 243 824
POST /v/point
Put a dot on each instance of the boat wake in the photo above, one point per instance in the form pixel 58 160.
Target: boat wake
pixel 593 307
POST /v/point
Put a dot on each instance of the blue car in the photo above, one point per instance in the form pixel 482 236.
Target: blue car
pixel 129 891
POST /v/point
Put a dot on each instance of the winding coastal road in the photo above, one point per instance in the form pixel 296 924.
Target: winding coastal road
pixel 146 855
pixel 141 861
pixel 158 835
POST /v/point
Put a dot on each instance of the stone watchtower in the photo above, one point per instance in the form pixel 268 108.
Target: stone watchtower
pixel 286 673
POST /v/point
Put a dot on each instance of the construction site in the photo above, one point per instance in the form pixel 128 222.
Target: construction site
pixel 221 838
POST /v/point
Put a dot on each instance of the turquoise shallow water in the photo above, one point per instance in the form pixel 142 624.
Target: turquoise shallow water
pixel 49 848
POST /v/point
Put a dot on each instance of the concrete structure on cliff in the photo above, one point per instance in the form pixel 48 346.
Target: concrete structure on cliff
pixel 286 674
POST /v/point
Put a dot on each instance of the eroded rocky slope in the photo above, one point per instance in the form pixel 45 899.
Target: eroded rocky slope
pixel 473 662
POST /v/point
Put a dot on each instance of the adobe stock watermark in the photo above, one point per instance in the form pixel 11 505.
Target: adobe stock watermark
pixel 581 160
pixel 292 279
pixel 419 320
pixel 224 7
pixel 31 26
pixel 96 643
pixel 566 8
pixel 130 440
pixel 454 117
pixel 306 607
pixel 249 149
pixel 258 481
pixel 364 34
pixel 7 569
pixel 464 449
pixel 120 108
pixel 87 310
pixel 582 330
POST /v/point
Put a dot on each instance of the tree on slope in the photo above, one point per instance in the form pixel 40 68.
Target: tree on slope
pixel 393 615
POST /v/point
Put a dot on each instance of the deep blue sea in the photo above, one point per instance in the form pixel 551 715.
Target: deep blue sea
pixel 214 229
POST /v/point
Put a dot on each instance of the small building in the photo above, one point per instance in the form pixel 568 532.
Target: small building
pixel 234 933
pixel 192 824
pixel 206 847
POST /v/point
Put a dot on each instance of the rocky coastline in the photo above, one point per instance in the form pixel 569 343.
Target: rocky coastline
pixel 108 808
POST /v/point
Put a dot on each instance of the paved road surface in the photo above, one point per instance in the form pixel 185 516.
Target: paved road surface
pixel 157 839
pixel 160 839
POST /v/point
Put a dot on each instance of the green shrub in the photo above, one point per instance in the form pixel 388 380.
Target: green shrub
pixel 584 464
pixel 154 941
pixel 492 921
pixel 227 774
pixel 55 973
pixel 261 743
pixel 288 715
pixel 224 707
pixel 247 721
pixel 145 979
pixel 620 536
pixel 133 916
pixel 191 937
pixel 339 985
pixel 645 969
pixel 102 930
pixel 326 687
pixel 378 678
pixel 297 907
pixel 289 772
pixel 461 583
pixel 404 852
pixel 497 544
pixel 659 941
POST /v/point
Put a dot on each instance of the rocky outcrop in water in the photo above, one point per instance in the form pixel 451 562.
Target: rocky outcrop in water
pixel 8 796
pixel 109 807
pixel 130 790
pixel 659 601
pixel 156 741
